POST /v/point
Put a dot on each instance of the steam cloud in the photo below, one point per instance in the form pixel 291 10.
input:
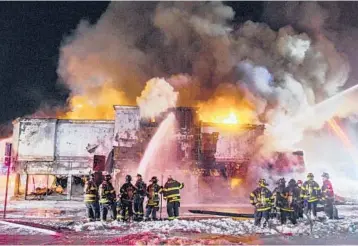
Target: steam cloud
pixel 156 98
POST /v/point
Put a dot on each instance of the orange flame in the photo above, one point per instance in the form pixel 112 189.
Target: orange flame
pixel 345 139
pixel 226 111
pixel 235 182
pixel 95 105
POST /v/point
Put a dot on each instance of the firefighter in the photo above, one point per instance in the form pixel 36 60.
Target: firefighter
pixel 261 199
pixel 172 196
pixel 91 198
pixel 141 190
pixel 153 191
pixel 300 200
pixel 107 198
pixel 127 194
pixel 293 195
pixel 310 191
pixel 279 198
pixel 328 196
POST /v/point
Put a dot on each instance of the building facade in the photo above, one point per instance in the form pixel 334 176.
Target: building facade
pixel 51 156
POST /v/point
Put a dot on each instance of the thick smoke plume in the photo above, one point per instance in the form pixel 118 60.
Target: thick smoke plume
pixel 281 72
pixel 156 98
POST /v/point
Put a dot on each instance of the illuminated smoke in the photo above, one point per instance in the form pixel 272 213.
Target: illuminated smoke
pixel 156 98
pixel 281 72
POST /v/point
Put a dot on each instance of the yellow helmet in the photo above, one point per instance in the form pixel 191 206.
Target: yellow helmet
pixel 310 176
pixel 262 183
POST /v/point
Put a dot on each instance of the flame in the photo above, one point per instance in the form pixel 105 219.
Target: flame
pixel 344 138
pixel 95 105
pixel 235 182
pixel 226 111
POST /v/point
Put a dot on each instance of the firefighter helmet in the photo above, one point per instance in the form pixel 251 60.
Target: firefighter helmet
pixel 128 178
pixel 292 182
pixel 107 177
pixel 299 182
pixel 281 181
pixel 154 179
pixel 310 176
pixel 139 176
pixel 262 182
pixel 325 175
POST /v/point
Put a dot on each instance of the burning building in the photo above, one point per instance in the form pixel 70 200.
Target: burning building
pixel 51 156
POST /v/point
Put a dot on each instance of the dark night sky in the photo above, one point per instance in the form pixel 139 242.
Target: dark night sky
pixel 31 34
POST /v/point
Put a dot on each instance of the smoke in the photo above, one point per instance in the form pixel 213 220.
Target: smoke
pixel 283 71
pixel 133 42
pixel 156 98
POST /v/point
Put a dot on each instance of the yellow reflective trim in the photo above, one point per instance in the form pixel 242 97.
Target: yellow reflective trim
pixel 263 209
pixel 252 195
pixel 174 195
pixel 173 188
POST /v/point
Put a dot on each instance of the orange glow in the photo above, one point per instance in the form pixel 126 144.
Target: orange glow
pixel 226 111
pixel 235 182
pixel 344 138
pixel 95 105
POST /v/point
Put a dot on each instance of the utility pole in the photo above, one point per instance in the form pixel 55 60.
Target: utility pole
pixel 8 164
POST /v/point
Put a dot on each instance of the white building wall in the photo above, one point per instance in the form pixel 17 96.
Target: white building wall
pixel 73 138
pixel 126 126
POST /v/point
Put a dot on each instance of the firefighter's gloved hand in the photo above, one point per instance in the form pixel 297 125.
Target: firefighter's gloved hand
pixel 258 205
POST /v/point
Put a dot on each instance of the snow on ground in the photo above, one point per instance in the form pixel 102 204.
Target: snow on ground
pixel 193 231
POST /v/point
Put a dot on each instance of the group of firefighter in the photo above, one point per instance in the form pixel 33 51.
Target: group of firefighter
pixel 129 204
pixel 293 200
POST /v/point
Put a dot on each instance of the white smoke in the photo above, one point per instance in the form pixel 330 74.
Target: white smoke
pixel 157 96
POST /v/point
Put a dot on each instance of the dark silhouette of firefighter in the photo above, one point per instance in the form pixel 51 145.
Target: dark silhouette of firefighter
pixel 311 192
pixel 261 199
pixel 300 200
pixel 153 191
pixel 279 198
pixel 127 195
pixel 107 198
pixel 292 193
pixel 141 190
pixel 91 198
pixel 328 196
pixel 172 196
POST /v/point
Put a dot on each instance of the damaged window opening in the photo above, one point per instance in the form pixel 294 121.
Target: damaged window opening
pixel 46 187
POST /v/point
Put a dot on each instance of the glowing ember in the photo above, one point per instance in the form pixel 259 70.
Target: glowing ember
pixel 95 105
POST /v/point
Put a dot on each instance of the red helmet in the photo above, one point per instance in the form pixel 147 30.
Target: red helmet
pixel 299 182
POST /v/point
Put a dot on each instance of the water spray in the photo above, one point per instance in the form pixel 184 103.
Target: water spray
pixel 155 143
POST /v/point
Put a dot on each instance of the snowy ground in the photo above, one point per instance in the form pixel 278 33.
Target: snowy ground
pixel 66 219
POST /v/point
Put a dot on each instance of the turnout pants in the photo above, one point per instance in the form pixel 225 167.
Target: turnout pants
pixel 328 208
pixel 138 207
pixel 108 207
pixel 151 211
pixel 173 210
pixel 127 206
pixel 311 207
pixel 92 210
pixel 291 215
pixel 258 215
pixel 299 210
